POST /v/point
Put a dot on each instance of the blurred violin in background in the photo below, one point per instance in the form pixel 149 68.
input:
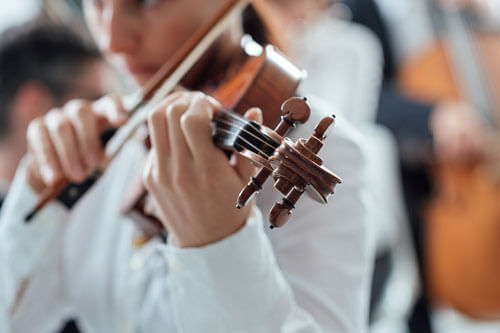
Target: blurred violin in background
pixel 462 244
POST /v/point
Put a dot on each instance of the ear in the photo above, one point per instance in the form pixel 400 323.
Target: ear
pixel 32 99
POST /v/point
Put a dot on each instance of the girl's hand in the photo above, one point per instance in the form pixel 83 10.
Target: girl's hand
pixel 66 144
pixel 193 183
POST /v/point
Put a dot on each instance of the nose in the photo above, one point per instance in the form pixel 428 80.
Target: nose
pixel 120 34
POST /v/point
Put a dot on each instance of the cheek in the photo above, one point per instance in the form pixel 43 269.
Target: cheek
pixel 174 23
pixel 166 37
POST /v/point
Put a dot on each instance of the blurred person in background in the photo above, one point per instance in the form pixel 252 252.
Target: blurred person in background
pixel 427 132
pixel 42 66
pixel 220 270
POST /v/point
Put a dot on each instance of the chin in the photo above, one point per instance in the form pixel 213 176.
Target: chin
pixel 135 78
pixel 141 79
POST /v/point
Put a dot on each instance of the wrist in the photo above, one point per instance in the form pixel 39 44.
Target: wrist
pixel 205 237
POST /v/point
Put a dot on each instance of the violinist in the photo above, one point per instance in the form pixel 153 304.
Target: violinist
pixel 219 270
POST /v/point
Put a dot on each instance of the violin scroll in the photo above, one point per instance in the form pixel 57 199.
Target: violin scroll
pixel 293 110
pixel 298 169
pixel 295 167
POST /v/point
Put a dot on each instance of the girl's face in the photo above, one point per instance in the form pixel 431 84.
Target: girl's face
pixel 139 36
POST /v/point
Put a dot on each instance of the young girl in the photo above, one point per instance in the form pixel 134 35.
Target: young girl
pixel 220 271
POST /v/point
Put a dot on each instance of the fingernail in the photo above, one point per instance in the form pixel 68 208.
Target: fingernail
pixel 47 174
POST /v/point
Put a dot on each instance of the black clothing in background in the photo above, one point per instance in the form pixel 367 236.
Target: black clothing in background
pixel 408 121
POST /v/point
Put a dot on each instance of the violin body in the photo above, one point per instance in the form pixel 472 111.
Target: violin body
pixel 265 81
pixel 462 222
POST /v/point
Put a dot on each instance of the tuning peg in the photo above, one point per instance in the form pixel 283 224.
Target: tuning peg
pixel 293 110
pixel 296 167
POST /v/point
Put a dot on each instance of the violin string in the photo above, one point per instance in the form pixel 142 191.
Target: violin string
pixel 243 139
pixel 238 118
pixel 248 142
pixel 243 120
pixel 247 132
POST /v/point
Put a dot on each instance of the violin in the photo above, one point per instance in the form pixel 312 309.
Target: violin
pixel 266 80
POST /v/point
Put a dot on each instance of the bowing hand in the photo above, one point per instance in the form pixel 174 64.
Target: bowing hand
pixel 193 184
pixel 66 142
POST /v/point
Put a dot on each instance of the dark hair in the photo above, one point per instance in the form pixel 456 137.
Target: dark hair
pixel 43 52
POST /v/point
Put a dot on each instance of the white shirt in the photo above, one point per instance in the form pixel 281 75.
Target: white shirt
pixel 313 275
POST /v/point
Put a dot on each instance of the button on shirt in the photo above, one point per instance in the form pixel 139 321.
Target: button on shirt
pixel 310 276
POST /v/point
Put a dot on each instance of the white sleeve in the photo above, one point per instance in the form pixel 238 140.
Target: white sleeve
pixel 234 285
pixel 230 286
pixel 22 246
